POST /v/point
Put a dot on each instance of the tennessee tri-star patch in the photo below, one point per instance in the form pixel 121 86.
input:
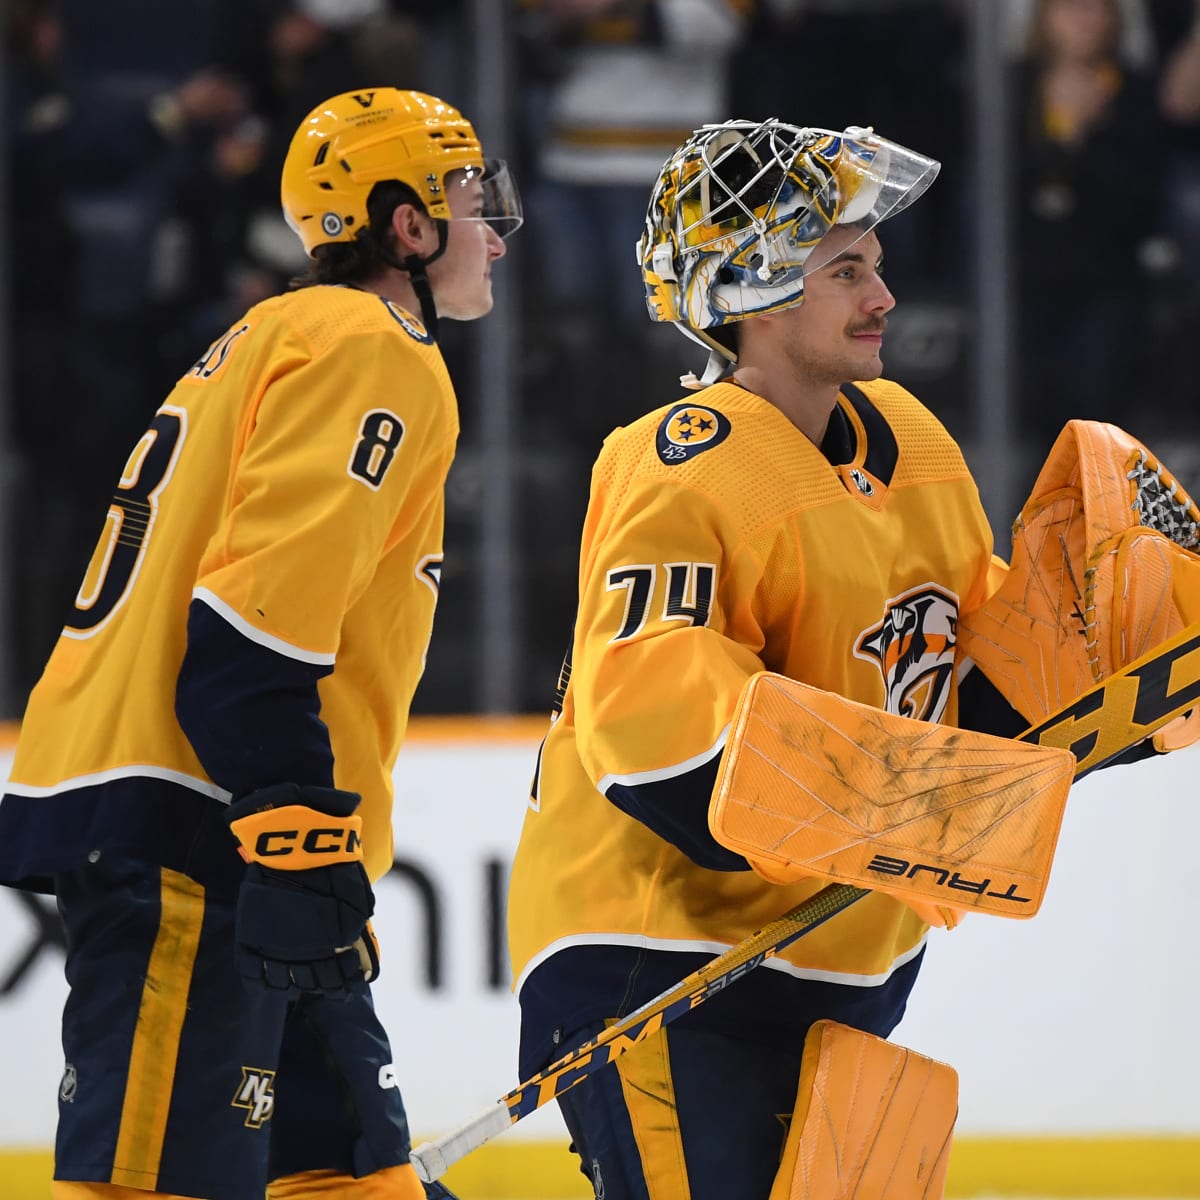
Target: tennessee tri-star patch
pixel 688 430
pixel 409 324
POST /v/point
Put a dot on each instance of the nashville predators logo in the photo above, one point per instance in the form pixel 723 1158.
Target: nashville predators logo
pixel 256 1094
pixel 913 647
pixel 688 430
pixel 409 324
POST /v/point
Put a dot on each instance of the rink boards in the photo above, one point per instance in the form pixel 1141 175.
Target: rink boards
pixel 1074 1035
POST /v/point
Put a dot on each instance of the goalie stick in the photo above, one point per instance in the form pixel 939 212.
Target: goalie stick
pixel 1105 721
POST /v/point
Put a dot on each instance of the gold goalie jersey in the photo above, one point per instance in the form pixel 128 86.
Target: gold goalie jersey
pixel 280 525
pixel 720 542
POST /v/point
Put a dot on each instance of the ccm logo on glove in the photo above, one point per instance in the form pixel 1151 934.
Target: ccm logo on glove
pixel 290 838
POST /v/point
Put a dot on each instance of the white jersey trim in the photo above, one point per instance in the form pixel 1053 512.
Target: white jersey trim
pixel 270 641
pixel 689 764
pixel 135 771
pixel 710 947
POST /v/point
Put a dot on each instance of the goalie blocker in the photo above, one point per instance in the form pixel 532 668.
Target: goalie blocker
pixel 944 819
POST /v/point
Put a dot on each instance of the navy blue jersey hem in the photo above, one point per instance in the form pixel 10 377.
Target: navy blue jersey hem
pixel 149 820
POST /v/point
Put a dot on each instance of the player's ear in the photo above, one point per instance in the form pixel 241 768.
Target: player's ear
pixel 413 231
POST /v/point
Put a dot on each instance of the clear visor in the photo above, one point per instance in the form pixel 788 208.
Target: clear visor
pixel 500 202
pixel 874 179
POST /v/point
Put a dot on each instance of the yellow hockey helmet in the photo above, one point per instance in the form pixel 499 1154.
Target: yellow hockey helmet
pixel 352 141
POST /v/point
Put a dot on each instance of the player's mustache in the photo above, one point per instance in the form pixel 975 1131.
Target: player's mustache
pixel 877 326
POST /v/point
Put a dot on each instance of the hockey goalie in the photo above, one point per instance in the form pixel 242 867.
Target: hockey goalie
pixel 1104 569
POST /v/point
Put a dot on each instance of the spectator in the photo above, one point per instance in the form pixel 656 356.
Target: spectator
pixel 40 307
pixel 312 49
pixel 108 159
pixel 1179 98
pixel 621 82
pixel 1088 139
pixel 1174 313
pixel 910 69
pixel 608 88
pixel 908 61
pixel 137 151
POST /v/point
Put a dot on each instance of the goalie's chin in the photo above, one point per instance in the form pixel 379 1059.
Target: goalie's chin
pixel 867 368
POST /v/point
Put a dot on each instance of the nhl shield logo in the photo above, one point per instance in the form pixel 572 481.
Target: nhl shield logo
pixel 913 647
pixel 864 485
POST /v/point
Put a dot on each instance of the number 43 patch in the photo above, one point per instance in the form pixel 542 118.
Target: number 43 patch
pixel 379 437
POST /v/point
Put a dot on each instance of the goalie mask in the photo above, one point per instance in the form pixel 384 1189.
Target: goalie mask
pixel 354 141
pixel 739 208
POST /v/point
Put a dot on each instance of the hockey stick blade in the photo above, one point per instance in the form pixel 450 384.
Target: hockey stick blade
pixel 1104 722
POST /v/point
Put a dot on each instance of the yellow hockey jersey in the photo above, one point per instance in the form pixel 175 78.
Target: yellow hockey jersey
pixel 719 541
pixel 279 530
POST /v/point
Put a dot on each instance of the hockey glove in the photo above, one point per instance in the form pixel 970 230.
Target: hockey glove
pixel 304 905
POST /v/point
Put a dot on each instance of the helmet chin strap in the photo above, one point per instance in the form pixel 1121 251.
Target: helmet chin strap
pixel 415 267
pixel 720 359
pixel 714 369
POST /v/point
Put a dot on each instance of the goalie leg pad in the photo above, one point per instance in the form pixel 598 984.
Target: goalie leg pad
pixel 392 1183
pixel 871 1119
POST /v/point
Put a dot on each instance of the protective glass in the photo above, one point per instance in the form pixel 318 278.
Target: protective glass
pixel 501 200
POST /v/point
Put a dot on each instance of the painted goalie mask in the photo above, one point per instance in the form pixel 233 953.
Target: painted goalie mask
pixel 739 208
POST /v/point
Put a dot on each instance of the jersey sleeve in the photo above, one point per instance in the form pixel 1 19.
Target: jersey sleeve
pixel 252 715
pixel 345 451
pixel 661 651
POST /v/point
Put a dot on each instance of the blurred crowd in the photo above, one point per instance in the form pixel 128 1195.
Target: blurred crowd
pixel 144 151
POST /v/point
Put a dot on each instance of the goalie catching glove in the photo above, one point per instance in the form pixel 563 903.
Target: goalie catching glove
pixel 304 907
pixel 1104 568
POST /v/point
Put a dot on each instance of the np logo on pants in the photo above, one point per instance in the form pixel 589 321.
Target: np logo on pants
pixel 256 1094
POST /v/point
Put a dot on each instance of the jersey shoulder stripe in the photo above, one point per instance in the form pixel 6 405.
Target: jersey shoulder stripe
pixel 259 636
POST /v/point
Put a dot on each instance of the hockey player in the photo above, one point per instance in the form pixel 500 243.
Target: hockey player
pixel 780 519
pixel 204 770
pixel 784 519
